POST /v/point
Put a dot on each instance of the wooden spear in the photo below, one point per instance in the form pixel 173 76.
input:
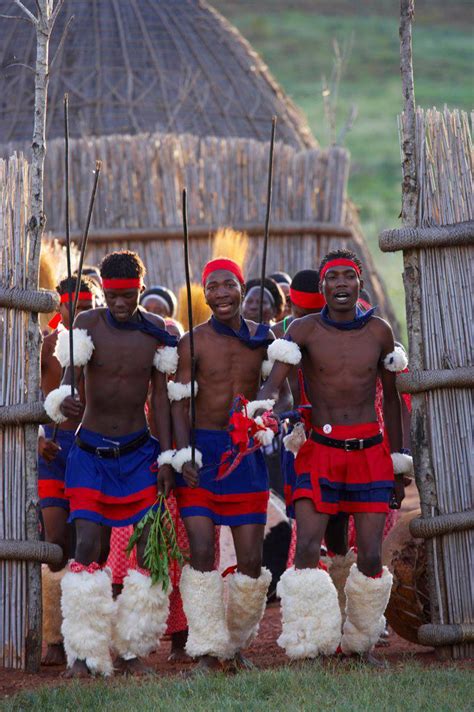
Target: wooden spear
pixel 267 216
pixel 190 322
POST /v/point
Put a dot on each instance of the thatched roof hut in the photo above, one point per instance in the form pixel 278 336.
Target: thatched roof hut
pixel 169 94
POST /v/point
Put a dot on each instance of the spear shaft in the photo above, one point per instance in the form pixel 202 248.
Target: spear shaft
pixel 98 166
pixel 190 321
pixel 267 216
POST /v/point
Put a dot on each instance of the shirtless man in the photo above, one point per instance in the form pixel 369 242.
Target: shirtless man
pixel 52 456
pixel 343 466
pixel 111 471
pixel 229 352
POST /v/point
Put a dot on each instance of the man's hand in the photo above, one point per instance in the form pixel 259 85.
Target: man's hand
pixel 190 475
pixel 47 449
pixel 165 480
pixel 398 494
pixel 72 408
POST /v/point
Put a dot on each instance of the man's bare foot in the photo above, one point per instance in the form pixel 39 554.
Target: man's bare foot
pixel 54 655
pixel 78 670
pixel 134 667
pixel 240 662
pixel 370 659
pixel 178 654
pixel 206 666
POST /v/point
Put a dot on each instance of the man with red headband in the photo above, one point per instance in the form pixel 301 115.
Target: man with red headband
pixel 343 466
pixel 111 470
pixel 229 352
pixel 53 450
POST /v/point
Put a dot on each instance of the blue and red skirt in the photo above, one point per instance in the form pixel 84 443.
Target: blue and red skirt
pixel 116 491
pixel 340 481
pixel 239 498
pixel 51 474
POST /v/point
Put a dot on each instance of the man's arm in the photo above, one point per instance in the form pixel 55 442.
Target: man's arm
pixel 180 409
pixel 161 411
pixel 281 370
pixel 392 408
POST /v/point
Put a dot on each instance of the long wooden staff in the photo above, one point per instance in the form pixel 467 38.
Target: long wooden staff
pixel 98 166
pixel 267 216
pixel 190 322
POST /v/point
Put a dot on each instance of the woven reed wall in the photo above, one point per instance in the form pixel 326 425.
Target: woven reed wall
pixel 14 203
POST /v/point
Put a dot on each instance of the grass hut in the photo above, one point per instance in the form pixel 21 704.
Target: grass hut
pixel 167 95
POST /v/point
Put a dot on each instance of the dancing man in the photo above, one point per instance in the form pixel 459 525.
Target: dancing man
pixel 111 475
pixel 229 352
pixel 343 466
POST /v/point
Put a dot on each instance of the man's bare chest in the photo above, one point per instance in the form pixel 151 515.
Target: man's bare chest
pixel 353 352
pixel 228 358
pixel 122 352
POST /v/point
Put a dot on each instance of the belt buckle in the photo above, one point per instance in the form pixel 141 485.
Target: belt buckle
pixel 100 451
pixel 347 446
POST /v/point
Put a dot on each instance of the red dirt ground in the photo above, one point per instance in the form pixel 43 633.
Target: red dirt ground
pixel 264 652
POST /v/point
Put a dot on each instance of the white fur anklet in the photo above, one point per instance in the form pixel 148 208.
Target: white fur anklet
pixel 83 346
pixel 338 569
pixel 310 613
pixel 140 621
pixel 181 457
pixel 246 606
pixel 180 391
pixel 366 601
pixel 166 359
pixel 166 457
pixel 285 351
pixel 203 603
pixel 52 403
pixel 87 607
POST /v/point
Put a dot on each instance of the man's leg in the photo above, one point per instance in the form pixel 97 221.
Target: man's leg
pixel 368 587
pixel 202 592
pixel 87 605
pixel 341 559
pixel 247 589
pixel 56 530
pixel 310 609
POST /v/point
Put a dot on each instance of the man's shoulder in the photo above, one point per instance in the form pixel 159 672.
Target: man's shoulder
pixel 380 326
pixel 90 318
pixel 153 318
pixel 305 323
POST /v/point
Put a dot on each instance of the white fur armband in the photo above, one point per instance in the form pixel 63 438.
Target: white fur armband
pixel 166 359
pixel 267 366
pixel 255 405
pixel 166 457
pixel 52 403
pixel 180 391
pixel 181 457
pixel 402 464
pixel 284 351
pixel 41 432
pixel 396 360
pixel 83 347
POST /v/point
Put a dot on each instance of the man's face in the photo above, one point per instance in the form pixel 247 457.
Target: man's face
pixel 223 293
pixel 156 305
pixel 82 306
pixel 123 303
pixel 285 288
pixel 251 307
pixel 341 287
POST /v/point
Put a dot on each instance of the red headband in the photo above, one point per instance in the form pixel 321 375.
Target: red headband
pixel 83 297
pixel 135 283
pixel 307 300
pixel 338 262
pixel 222 263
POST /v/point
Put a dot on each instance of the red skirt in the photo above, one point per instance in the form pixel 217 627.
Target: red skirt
pixel 340 481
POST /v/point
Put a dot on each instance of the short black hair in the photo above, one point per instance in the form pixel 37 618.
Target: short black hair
pixel 273 288
pixel 90 269
pixel 307 280
pixel 123 264
pixel 341 254
pixel 164 293
pixel 281 277
pixel 85 285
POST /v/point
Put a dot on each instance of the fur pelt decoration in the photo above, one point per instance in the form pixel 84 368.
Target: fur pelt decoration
pixel 203 602
pixel 366 601
pixel 181 457
pixel 294 440
pixel 142 613
pixel 166 457
pixel 310 613
pixel 180 391
pixel 166 359
pixel 396 361
pixel 284 351
pixel 83 347
pixel 253 406
pixel 402 464
pixel 52 618
pixel 88 608
pixel 245 606
pixel 52 403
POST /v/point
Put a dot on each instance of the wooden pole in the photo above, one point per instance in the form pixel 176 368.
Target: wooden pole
pixel 267 216
pixel 190 322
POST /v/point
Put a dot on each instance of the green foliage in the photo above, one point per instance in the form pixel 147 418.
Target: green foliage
pixel 296 41
pixel 309 687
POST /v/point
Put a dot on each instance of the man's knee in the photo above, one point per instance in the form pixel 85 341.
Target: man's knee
pixel 202 555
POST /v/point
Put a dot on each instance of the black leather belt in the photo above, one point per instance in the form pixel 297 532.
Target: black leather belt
pixel 348 445
pixel 113 451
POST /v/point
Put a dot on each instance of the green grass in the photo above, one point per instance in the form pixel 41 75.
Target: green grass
pixel 295 40
pixel 285 690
